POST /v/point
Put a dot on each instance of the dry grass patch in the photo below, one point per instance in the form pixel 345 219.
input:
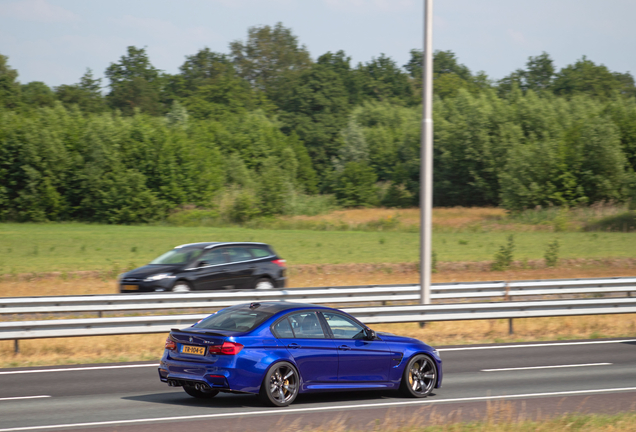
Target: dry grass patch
pixel 443 217
pixel 499 417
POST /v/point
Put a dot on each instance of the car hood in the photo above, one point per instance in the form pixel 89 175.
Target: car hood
pixel 151 269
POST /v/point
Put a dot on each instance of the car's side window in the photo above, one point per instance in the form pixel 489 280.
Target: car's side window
pixel 282 329
pixel 306 326
pixel 239 254
pixel 213 257
pixel 343 327
pixel 259 252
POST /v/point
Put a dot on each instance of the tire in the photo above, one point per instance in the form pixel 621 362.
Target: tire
pixel 205 394
pixel 419 377
pixel 181 286
pixel 280 385
pixel 263 284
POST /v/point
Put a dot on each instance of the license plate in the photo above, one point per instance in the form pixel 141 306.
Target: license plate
pixel 189 349
pixel 131 287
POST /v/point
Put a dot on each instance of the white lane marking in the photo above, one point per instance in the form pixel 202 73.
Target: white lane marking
pixel 24 397
pixel 536 345
pixel 286 411
pixel 546 367
pixel 78 369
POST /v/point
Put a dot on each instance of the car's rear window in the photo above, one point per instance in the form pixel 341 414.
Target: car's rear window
pixel 234 319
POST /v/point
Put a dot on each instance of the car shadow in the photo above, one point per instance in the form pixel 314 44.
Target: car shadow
pixel 229 400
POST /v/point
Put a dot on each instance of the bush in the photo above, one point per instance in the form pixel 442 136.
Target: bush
pixel 503 258
pixel 552 254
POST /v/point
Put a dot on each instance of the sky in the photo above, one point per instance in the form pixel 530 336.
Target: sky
pixel 55 41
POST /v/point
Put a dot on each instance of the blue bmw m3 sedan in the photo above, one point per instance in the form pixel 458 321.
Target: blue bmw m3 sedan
pixel 279 350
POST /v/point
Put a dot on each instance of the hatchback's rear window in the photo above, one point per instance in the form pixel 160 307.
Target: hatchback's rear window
pixel 234 319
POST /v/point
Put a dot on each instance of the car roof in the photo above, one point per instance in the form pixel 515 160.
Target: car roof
pixel 209 245
pixel 274 307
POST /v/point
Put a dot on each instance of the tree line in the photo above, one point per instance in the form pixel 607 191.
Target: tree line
pixel 265 130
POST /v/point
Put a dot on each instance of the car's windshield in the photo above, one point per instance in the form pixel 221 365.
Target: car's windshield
pixel 178 256
pixel 242 320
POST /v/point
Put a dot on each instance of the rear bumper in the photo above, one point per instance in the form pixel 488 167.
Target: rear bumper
pixel 226 374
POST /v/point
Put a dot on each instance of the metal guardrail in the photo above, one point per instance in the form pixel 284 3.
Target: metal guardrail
pixel 330 295
pixel 370 315
pixel 16 330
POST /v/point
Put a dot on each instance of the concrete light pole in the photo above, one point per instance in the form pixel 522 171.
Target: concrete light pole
pixel 426 157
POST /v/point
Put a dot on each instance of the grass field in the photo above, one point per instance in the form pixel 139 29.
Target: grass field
pixel 26 248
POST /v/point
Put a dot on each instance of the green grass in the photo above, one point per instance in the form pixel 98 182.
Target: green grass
pixel 26 248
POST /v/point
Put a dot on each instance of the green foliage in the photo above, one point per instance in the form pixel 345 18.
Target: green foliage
pixel 86 94
pixel 263 128
pixel 134 83
pixel 269 57
pixel 9 86
pixel 504 257
pixel 551 255
pixel 355 185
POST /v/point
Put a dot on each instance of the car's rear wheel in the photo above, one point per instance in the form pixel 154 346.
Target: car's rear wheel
pixel 419 377
pixel 263 284
pixel 181 286
pixel 280 385
pixel 200 394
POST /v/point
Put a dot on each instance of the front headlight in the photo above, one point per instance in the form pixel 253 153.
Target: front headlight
pixel 159 276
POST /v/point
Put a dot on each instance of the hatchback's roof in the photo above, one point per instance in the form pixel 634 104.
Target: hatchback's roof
pixel 208 245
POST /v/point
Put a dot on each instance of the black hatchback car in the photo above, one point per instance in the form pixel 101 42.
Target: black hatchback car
pixel 209 266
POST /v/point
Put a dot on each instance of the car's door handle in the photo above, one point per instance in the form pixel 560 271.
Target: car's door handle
pixel 293 345
pixel 344 348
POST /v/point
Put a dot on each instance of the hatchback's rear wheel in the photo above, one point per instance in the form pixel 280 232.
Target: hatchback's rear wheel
pixel 280 385
pixel 200 394
pixel 264 284
pixel 420 377
pixel 181 286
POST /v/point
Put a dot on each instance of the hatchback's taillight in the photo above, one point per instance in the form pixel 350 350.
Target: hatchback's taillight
pixel 280 262
pixel 170 344
pixel 228 348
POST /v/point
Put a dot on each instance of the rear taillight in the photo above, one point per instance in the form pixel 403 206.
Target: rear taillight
pixel 280 262
pixel 228 348
pixel 170 344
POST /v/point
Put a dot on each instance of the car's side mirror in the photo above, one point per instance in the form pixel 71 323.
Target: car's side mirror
pixel 202 263
pixel 369 334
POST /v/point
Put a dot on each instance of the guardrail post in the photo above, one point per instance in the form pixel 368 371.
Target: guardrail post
pixel 510 328
pixel 16 347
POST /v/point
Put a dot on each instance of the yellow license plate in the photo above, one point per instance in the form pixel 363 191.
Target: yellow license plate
pixel 131 287
pixel 189 349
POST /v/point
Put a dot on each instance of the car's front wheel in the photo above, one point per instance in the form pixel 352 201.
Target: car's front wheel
pixel 420 377
pixel 280 385
pixel 200 394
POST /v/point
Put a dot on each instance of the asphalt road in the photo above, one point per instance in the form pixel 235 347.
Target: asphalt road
pixel 514 379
